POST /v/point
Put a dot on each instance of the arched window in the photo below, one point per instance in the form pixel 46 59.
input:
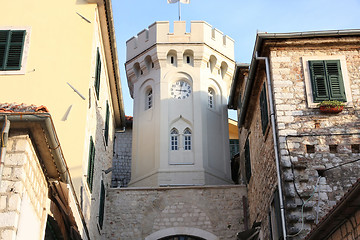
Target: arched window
pixel 149 99
pixel 187 139
pixel 211 96
pixel 174 139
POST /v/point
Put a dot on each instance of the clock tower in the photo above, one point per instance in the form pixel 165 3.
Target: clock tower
pixel 180 82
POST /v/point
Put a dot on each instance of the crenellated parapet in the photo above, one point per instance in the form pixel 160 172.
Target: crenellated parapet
pixel 159 32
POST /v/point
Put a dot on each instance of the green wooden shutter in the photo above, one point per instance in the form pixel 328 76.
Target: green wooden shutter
pixel 90 174
pixel 247 161
pixel 97 74
pixel 11 49
pixel 234 147
pixel 335 81
pixel 106 131
pixel 264 109
pixel 318 81
pixel 102 204
pixel 4 35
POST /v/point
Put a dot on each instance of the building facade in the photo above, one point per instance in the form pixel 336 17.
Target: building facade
pixel 69 64
pixel 180 83
pixel 297 161
pixel 37 195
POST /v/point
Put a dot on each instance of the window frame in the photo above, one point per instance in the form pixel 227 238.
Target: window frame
pixel 174 140
pixel 264 110
pixel 187 139
pixel 211 98
pixel 149 99
pixel 97 74
pixel 91 164
pixel 107 120
pixel 24 53
pixel 308 82
pixel 247 156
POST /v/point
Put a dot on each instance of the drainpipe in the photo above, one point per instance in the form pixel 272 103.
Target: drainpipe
pixel 4 139
pixel 277 158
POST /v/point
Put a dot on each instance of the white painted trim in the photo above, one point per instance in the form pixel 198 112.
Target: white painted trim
pixel 182 231
pixel 344 71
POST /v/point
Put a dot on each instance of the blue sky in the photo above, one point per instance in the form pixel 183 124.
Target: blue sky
pixel 238 19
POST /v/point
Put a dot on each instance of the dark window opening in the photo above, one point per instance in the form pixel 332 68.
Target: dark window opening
pixel 333 148
pixel 310 148
pixel 355 148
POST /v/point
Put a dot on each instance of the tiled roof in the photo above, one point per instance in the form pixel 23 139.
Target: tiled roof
pixel 128 118
pixel 22 108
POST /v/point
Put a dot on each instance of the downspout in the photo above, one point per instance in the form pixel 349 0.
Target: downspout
pixel 277 158
pixel 4 139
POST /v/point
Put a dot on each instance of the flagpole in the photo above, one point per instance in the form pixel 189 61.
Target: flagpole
pixel 179 11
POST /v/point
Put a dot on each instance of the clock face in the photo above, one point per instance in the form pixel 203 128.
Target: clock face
pixel 180 90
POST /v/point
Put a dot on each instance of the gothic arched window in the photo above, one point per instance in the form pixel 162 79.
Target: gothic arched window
pixel 174 139
pixel 187 139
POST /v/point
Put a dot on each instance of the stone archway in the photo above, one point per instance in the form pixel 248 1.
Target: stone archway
pixel 188 231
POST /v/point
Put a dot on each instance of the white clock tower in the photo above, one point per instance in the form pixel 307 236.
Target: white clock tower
pixel 180 83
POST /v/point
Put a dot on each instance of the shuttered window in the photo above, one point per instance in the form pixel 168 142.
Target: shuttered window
pixel 102 204
pixel 107 119
pixel 247 161
pixel 234 147
pixel 11 49
pixel 90 173
pixel 97 74
pixel 264 109
pixel 326 80
pixel 276 231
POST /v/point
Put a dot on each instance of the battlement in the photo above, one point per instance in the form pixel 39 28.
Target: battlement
pixel 159 32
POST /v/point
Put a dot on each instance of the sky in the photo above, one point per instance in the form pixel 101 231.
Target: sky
pixel 239 19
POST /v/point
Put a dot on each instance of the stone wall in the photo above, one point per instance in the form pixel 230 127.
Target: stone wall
pixel 318 151
pixel 140 212
pixel 23 191
pixel 263 179
pixel 121 173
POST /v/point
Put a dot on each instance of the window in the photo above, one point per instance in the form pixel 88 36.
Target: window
pixel 97 74
pixel 101 205
pixel 91 161
pixel 247 161
pixel 107 118
pixel 275 218
pixel 188 59
pixel 234 147
pixel 326 80
pixel 187 139
pixel 211 94
pixel 149 97
pixel 11 49
pixel 264 109
pixel 174 139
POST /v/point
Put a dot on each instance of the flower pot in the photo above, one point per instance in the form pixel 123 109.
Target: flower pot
pixel 331 109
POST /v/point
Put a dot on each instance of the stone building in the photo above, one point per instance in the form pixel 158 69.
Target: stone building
pixel 121 173
pixel 68 63
pixel 180 173
pixel 296 161
pixel 343 220
pixel 37 195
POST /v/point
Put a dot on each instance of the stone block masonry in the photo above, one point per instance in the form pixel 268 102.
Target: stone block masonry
pixel 136 213
pixel 23 191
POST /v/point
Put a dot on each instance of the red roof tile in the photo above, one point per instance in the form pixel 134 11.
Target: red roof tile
pixel 22 108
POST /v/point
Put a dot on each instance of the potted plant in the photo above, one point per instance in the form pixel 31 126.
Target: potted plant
pixel 331 106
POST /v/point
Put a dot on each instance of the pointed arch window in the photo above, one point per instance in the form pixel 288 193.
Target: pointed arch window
pixel 149 99
pixel 187 139
pixel 211 98
pixel 174 139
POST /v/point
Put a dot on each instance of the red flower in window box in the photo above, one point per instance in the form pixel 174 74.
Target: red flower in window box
pixel 331 106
